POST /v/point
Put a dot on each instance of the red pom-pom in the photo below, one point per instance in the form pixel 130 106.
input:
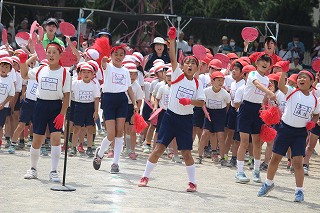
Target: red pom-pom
pixel 271 116
pixel 139 123
pixel 267 133
pixel 102 45
pixel 310 125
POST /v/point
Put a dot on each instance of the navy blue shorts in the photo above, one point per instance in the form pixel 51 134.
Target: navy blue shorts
pixel 146 112
pixel 198 117
pixel 316 130
pixel 27 110
pixel 231 120
pixel 249 120
pixel 176 126
pixel 45 113
pixel 3 115
pixel 18 104
pixel 115 105
pixel 83 114
pixel 72 104
pixel 160 117
pixel 130 113
pixel 288 136
pixel 218 118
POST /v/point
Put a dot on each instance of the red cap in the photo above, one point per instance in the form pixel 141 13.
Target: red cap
pixel 242 62
pixel 248 68
pixel 216 63
pixel 293 78
pixel 246 59
pixel 217 75
pixel 232 56
pixel 274 77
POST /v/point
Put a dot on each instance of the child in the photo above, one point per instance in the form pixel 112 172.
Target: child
pixel 8 90
pixel 177 121
pixel 217 103
pixel 300 114
pixel 86 95
pixel 249 121
pixel 115 105
pixel 51 106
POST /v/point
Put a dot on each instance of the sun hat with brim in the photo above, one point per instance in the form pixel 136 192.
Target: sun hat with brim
pixel 7 60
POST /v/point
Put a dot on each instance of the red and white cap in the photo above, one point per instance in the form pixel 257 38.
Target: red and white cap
pixel 86 66
pixel 80 64
pixel 94 64
pixel 151 71
pixel 169 72
pixel 158 62
pixel 44 62
pixel 137 56
pixel 3 47
pixel 127 59
pixel 4 53
pixel 15 59
pixel 158 68
pixel 19 51
pixel 6 60
pixel 92 53
pixel 132 67
pixel 168 66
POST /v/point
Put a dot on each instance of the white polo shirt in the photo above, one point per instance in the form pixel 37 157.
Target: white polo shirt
pixel 216 100
pixel 251 92
pixel 116 80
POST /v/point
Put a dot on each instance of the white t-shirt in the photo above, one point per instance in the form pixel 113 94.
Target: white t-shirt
pixel 205 80
pixel 238 97
pixel 216 100
pixel 183 89
pixel 163 95
pixel 85 92
pixel 137 91
pixel 147 92
pixel 183 45
pixel 153 85
pixel 12 75
pixel 227 82
pixel 281 101
pixel 18 82
pixel 299 109
pixel 116 80
pixel 234 87
pixel 156 88
pixel 50 82
pixel 251 92
pixel 6 89
pixel 140 79
pixel 99 75
pixel 32 87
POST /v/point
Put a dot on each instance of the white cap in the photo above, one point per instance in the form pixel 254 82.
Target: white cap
pixel 92 53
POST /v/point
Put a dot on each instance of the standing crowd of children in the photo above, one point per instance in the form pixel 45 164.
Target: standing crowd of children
pixel 180 101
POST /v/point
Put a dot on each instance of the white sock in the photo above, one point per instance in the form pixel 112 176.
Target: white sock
pixel 104 146
pixel 191 170
pixel 257 164
pixel 299 189
pixel 240 165
pixel 55 156
pixel 118 143
pixel 149 168
pixel 34 154
pixel 269 182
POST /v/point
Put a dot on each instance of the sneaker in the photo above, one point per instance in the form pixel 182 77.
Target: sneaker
pixel 176 158
pixel 31 174
pixel 43 151
pixel 147 149
pixel 256 176
pixel 21 144
pixel 265 189
pixel 53 176
pixel 223 162
pixel 100 131
pixel 241 178
pixel 12 149
pixel 246 157
pixel 114 168
pixel 132 156
pixel 207 152
pixel 73 151
pixel 8 144
pixel 306 169
pixel 192 187
pixel 264 166
pixel 198 160
pixel 97 160
pixel 215 157
pixel 29 143
pixel 89 152
pixel 299 196
pixel 232 163
pixel 143 182
pixel 110 153
pixel 81 149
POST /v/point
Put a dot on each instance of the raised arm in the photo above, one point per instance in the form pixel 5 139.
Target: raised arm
pixel 282 81
pixel 172 34
pixel 73 48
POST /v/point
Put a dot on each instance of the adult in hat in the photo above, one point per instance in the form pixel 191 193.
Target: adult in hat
pixel 224 46
pixel 159 51
pixel 51 26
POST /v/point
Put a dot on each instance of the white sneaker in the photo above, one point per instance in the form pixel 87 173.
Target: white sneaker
pixel 241 178
pixel 306 170
pixel 31 174
pixel 53 176
pixel 176 158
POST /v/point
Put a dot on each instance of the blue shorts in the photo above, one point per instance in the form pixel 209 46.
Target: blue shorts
pixel 18 104
pixel 160 117
pixel 3 116
pixel 83 114
pixel 130 113
pixel 72 104
pixel 27 110
pixel 288 136
pixel 45 113
pixel 249 120
pixel 146 112
pixel 198 117
pixel 231 119
pixel 316 130
pixel 115 105
pixel 218 118
pixel 176 126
